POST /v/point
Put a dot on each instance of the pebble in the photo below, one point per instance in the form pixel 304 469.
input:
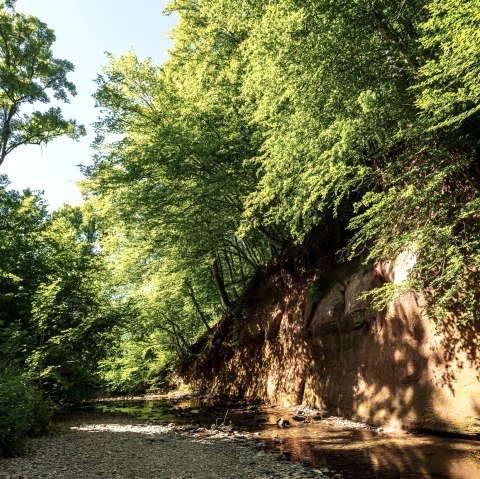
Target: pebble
pixel 123 448
pixel 299 418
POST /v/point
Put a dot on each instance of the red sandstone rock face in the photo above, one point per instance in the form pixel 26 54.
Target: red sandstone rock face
pixel 396 368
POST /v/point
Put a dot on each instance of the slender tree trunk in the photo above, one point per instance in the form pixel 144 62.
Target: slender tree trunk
pixel 253 255
pixel 220 285
pixel 229 261
pixel 197 307
pixel 242 273
pixel 276 243
pixel 179 340
pixel 175 332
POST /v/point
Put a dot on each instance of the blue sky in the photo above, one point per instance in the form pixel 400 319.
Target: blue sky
pixel 85 30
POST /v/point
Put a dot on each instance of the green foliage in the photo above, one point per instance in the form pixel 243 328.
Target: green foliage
pixel 28 73
pixel 450 87
pixel 56 304
pixel 71 309
pixel 22 261
pixel 431 212
pixel 136 365
pixel 24 410
pixel 169 194
pixel 328 109
pixel 269 121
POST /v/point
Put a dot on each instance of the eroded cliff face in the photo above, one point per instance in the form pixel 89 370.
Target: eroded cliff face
pixel 302 335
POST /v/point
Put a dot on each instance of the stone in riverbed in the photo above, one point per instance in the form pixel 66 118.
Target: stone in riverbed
pixel 299 418
pixel 283 422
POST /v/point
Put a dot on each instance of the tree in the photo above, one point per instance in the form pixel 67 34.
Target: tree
pixel 23 256
pixel 178 193
pixel 450 79
pixel 29 74
pixel 271 120
pixel 55 302
pixel 71 307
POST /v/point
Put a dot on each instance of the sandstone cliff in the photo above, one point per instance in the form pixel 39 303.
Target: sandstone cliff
pixel 301 335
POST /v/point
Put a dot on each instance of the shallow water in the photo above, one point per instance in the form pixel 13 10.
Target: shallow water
pixel 355 451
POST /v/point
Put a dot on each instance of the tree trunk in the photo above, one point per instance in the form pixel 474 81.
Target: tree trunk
pixel 191 293
pixel 220 285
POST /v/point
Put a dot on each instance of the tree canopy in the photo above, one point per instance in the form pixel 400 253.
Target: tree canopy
pixel 272 119
pixel 269 122
pixel 28 75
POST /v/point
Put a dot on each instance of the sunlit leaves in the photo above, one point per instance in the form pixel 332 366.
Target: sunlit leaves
pixel 270 119
pixel 450 84
pixel 29 74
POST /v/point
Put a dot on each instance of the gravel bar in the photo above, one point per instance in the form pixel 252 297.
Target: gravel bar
pixel 124 448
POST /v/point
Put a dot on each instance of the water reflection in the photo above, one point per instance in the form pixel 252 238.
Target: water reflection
pixel 354 452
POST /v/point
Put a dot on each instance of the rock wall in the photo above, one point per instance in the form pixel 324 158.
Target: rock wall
pixel 302 335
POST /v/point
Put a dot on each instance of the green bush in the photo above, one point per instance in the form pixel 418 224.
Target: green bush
pixel 136 366
pixel 23 410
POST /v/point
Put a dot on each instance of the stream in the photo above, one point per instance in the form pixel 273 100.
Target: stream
pixel 351 450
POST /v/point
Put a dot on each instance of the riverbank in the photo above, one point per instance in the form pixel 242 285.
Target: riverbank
pixel 330 443
pixel 90 446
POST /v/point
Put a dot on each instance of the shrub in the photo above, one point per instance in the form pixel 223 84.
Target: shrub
pixel 23 410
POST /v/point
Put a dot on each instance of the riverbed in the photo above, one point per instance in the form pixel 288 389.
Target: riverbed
pixel 329 443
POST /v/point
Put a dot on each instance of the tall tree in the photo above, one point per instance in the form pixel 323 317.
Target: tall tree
pixel 29 74
pixel 271 119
